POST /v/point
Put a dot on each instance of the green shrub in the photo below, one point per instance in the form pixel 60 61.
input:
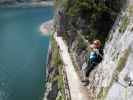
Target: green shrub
pixel 56 59
pixel 81 43
pixel 99 17
pixel 61 85
pixel 58 64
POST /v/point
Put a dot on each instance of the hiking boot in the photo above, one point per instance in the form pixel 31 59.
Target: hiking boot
pixel 84 82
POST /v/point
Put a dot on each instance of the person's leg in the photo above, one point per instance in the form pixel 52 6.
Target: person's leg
pixel 90 67
pixel 84 75
pixel 88 70
pixel 84 80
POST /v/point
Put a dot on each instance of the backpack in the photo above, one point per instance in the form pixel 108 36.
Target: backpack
pixel 93 57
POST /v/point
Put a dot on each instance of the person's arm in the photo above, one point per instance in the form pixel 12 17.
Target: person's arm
pixel 86 57
pixel 98 53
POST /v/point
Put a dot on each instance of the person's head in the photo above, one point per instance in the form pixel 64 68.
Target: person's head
pixel 92 47
pixel 97 43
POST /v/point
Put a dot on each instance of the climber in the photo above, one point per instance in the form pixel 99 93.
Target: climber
pixel 95 55
pixel 97 50
pixel 92 59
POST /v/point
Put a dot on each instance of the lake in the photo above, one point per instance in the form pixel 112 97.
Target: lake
pixel 23 53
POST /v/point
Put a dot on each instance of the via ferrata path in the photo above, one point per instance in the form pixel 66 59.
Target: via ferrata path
pixel 77 91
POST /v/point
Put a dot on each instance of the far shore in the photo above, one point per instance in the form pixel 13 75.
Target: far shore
pixel 46 27
pixel 26 5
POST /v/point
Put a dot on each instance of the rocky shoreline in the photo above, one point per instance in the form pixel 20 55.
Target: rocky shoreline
pixel 46 27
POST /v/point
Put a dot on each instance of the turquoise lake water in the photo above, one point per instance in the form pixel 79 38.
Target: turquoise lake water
pixel 23 53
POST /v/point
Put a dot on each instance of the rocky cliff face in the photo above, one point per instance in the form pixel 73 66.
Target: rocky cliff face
pixel 56 84
pixel 112 79
pixel 77 28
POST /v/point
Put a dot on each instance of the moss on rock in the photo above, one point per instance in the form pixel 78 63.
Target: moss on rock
pixel 124 24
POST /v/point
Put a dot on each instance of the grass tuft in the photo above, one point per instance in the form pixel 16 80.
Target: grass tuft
pixel 124 24
pixel 122 60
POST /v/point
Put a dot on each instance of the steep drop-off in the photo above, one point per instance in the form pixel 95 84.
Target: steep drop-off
pixel 57 84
